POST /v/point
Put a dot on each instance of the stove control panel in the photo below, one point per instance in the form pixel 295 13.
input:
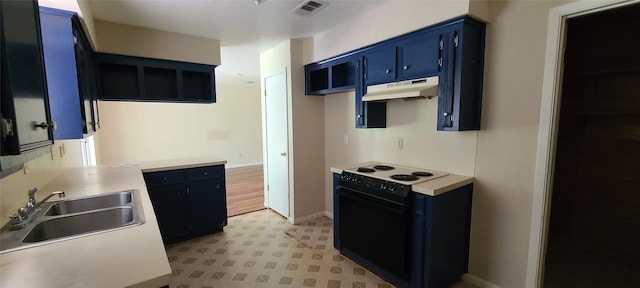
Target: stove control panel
pixel 375 183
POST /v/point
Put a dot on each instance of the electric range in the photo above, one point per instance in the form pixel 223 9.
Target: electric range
pixel 386 181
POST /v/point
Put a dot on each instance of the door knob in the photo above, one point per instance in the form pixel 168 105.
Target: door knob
pixel 283 154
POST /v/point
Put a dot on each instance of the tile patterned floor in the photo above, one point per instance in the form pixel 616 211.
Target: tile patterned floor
pixel 261 249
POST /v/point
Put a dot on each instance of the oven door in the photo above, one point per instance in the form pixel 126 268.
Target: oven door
pixel 376 230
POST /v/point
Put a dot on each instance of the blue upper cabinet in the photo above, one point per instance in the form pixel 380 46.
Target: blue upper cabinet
pixel 70 77
pixel 453 50
pixel 128 78
pixel 460 79
pixel 337 75
pixel 25 122
pixel 408 57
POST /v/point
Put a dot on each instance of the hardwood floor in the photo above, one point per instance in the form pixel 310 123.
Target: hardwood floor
pixel 245 190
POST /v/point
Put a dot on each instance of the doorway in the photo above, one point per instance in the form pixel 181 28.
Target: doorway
pixel 276 143
pixel 594 218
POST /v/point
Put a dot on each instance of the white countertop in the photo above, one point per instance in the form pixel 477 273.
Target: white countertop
pixel 129 257
pixel 433 187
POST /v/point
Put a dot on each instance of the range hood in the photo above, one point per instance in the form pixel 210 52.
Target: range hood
pixel 416 88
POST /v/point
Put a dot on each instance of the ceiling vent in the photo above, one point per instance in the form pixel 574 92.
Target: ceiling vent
pixel 309 7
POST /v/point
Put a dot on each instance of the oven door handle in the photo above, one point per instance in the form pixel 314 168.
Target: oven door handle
pixel 372 200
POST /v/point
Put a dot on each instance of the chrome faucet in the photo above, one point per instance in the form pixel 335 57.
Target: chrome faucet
pixel 27 213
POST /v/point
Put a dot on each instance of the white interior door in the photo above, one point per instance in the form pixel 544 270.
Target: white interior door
pixel 277 143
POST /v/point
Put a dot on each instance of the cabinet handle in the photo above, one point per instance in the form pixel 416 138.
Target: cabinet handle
pixel 406 67
pixel 41 125
pixel 445 114
pixel 44 125
pixel 387 71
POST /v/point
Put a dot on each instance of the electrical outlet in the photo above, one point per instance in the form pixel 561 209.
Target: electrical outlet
pixel 400 143
pixel 346 139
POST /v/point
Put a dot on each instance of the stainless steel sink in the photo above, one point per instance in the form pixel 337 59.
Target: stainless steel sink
pixel 79 224
pixel 88 204
pixel 74 218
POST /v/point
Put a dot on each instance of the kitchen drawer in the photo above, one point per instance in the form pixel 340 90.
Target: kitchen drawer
pixel 202 173
pixel 164 178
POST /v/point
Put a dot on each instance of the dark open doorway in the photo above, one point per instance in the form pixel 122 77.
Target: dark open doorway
pixel 594 230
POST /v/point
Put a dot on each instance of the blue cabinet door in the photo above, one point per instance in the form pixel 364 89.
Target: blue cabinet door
pixel 208 206
pixel 70 77
pixel 380 65
pixel 25 104
pixel 460 92
pixel 62 76
pixel 86 79
pixel 172 210
pixel 418 56
pixel 446 88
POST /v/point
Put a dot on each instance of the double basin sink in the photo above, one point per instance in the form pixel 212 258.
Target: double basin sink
pixel 73 218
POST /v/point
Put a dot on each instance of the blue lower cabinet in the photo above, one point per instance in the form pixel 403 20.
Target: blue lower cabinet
pixel 441 237
pixel 189 202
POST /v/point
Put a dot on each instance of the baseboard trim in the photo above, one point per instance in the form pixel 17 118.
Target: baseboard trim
pixel 328 214
pixel 242 165
pixel 479 282
pixel 306 218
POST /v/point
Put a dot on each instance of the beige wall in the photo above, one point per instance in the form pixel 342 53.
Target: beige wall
pixel 142 131
pixel 507 144
pixel 308 141
pixel 306 130
pixel 501 156
pixel 137 41
pixel 139 131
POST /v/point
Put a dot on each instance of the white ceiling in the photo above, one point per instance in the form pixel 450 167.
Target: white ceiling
pixel 243 28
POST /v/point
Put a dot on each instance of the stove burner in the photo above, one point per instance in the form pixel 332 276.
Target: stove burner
pixel 422 173
pixel 383 167
pixel 404 177
pixel 365 169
